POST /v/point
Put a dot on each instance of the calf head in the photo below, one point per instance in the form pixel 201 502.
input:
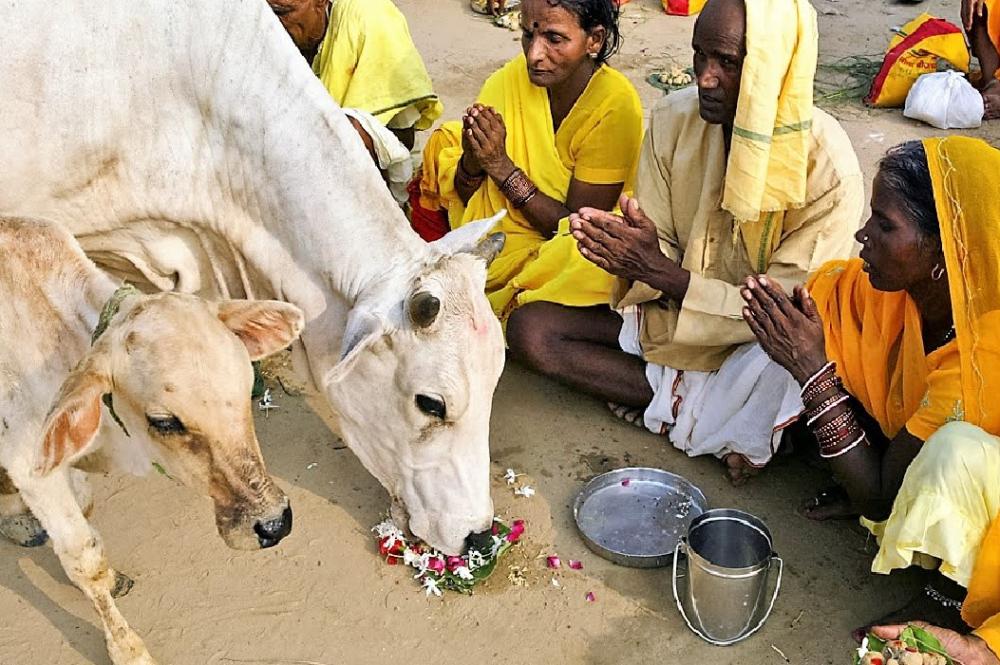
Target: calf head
pixel 415 389
pixel 174 372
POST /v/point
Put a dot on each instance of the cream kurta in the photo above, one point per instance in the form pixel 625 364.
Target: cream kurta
pixel 680 184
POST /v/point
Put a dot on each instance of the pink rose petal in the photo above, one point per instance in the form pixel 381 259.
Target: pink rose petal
pixel 553 562
pixel 516 531
pixel 454 562
pixel 436 565
pixel 590 597
pixel 626 482
pixel 575 565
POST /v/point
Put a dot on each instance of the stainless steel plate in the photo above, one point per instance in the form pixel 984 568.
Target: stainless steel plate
pixel 634 517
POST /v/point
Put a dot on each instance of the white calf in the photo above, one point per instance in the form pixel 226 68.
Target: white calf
pixel 173 374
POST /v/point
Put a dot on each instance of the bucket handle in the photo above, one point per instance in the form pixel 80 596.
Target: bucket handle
pixel 680 605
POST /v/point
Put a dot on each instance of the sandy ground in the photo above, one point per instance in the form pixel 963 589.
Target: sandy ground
pixel 324 598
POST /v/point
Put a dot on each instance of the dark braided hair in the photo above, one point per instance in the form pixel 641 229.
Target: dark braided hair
pixel 593 13
pixel 904 170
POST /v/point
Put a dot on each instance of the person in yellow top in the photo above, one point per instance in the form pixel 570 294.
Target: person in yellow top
pixel 981 19
pixel 898 356
pixel 737 176
pixel 554 130
pixel 363 53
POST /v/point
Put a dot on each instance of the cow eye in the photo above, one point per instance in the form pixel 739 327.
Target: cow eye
pixel 432 406
pixel 166 424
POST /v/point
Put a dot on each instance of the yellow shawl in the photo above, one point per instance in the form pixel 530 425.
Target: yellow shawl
pixel 769 156
pixel 368 61
pixel 875 336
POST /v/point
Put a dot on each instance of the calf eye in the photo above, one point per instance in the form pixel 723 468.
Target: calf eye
pixel 166 424
pixel 432 406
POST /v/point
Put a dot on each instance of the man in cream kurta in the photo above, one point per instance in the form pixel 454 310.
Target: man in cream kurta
pixel 675 348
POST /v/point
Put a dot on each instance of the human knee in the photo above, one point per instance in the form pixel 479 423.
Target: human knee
pixel 960 448
pixel 531 337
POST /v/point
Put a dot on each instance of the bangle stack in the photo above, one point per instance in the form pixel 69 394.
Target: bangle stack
pixel 822 393
pixel 518 188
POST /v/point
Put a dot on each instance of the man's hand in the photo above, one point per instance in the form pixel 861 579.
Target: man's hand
pixel 484 142
pixel 971 10
pixel 965 649
pixel 628 247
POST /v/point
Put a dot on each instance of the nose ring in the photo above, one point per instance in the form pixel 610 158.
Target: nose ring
pixel 864 238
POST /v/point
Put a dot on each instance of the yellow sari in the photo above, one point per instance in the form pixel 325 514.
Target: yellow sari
pixel 948 507
pixel 368 61
pixel 598 143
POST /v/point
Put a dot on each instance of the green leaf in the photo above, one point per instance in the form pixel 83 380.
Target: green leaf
pixel 918 638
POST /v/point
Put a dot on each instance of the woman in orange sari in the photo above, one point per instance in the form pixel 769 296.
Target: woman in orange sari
pixel 898 355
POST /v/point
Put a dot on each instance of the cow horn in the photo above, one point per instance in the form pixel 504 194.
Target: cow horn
pixel 488 249
pixel 424 308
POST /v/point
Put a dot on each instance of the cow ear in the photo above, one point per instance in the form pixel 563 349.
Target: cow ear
pixel 467 237
pixel 72 425
pixel 362 328
pixel 264 326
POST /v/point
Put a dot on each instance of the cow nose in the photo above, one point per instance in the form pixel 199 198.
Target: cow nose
pixel 481 542
pixel 270 532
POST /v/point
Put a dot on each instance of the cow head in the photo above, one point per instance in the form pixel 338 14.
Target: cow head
pixel 174 372
pixel 415 387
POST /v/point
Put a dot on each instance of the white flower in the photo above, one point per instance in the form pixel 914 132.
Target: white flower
pixel 431 586
pixel 555 583
pixel 495 547
pixel 464 573
pixel 388 528
pixel 476 559
pixel 526 491
pixel 411 558
pixel 510 476
pixel 863 649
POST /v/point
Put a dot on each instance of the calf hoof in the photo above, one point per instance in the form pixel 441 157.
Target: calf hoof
pixel 24 530
pixel 123 584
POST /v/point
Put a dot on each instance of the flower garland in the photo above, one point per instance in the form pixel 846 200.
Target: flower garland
pixel 437 571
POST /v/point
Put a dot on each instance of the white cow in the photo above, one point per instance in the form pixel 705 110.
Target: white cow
pixel 188 146
pixel 175 379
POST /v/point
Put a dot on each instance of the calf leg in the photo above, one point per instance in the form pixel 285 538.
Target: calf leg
pixel 81 552
pixel 17 524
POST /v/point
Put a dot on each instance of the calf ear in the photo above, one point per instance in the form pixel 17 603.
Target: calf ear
pixel 264 326
pixel 72 425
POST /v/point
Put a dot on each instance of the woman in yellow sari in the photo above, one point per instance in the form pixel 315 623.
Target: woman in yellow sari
pixel 554 130
pixel 898 353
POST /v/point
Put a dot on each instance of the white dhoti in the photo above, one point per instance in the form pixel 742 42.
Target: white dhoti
pixel 740 408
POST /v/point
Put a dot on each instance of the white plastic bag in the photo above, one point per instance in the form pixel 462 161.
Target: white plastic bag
pixel 946 100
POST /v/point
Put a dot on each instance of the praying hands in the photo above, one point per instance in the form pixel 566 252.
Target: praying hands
pixel 628 247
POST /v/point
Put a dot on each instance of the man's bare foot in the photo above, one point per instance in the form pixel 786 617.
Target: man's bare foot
pixel 831 503
pixel 739 469
pixel 991 100
pixel 633 416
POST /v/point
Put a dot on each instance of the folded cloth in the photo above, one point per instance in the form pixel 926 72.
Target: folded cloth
pixel 769 158
pixel 741 408
pixel 393 157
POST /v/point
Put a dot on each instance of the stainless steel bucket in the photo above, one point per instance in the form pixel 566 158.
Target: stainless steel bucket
pixel 729 558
